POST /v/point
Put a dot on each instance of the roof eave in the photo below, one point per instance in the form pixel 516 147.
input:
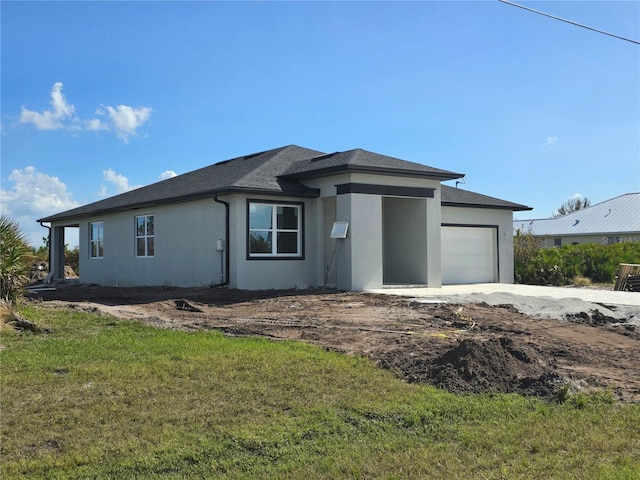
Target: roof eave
pixel 442 176
pixel 308 193
pixel 513 208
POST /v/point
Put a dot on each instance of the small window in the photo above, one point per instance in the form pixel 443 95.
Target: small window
pixel 96 240
pixel 275 230
pixel 144 236
pixel 557 242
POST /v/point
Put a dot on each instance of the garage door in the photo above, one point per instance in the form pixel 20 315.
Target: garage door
pixel 468 255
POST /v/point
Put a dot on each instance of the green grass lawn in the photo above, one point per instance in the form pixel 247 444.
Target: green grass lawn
pixel 101 398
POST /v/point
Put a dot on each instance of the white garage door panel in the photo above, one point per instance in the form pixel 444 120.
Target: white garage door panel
pixel 468 255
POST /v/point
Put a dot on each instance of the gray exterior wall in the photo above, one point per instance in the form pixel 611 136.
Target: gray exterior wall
pixel 406 250
pixel 260 274
pixel 392 239
pixel 359 259
pixel 185 247
pixel 503 219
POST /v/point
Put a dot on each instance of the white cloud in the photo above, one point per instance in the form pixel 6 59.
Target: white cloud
pixel 168 174
pixel 103 191
pixel 119 181
pixel 550 141
pixel 50 119
pixel 123 120
pixel 95 125
pixel 34 195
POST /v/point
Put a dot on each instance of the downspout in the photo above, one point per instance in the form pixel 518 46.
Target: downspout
pixel 227 259
pixel 49 276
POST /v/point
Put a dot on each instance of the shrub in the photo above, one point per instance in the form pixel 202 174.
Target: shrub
pixel 560 265
pixel 13 262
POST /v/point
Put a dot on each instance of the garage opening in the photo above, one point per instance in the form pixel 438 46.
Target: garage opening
pixel 469 254
pixel 404 238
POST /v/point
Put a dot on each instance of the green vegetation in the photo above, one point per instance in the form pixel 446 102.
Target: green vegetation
pixel 17 257
pixel 562 265
pixel 100 398
pixel 572 205
pixel 14 264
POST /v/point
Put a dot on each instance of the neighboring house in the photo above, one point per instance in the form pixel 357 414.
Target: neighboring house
pixel 612 221
pixel 264 221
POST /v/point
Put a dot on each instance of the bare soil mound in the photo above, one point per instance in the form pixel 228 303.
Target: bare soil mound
pixel 498 364
pixel 469 348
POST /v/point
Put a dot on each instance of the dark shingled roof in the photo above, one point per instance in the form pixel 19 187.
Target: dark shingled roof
pixel 456 197
pixel 274 172
pixel 359 160
pixel 256 173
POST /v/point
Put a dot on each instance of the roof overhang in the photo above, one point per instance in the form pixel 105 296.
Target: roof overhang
pixel 306 193
pixel 512 207
pixel 334 170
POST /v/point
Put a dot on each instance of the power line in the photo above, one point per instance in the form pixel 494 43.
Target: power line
pixel 569 21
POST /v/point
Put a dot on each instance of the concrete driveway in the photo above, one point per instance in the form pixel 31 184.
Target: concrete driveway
pixel 548 302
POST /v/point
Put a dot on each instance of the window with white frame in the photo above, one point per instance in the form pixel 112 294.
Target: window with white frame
pixel 96 239
pixel 274 230
pixel 144 236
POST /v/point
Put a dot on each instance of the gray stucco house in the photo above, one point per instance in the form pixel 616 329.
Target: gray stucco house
pixel 265 221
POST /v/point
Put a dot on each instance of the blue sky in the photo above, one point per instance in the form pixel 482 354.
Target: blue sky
pixel 101 97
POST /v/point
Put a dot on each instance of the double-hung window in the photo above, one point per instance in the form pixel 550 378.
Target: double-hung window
pixel 144 236
pixel 96 240
pixel 274 230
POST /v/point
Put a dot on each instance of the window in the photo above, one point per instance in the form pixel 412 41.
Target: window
pixel 96 240
pixel 275 230
pixel 557 242
pixel 144 236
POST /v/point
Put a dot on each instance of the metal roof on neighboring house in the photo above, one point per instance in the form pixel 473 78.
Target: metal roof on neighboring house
pixel 617 215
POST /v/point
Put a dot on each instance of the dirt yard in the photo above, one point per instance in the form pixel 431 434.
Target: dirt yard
pixel 462 348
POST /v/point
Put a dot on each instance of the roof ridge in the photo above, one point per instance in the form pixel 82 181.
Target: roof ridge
pixel 357 153
pixel 274 152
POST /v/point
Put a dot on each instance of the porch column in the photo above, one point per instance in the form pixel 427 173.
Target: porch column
pixel 56 269
pixel 434 241
pixel 359 256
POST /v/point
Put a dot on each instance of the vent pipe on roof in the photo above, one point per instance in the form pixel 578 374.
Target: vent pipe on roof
pixel 225 279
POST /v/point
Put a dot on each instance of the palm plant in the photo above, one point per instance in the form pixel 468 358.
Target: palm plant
pixel 13 264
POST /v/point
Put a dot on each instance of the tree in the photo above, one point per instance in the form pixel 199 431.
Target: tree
pixel 14 264
pixel 572 205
